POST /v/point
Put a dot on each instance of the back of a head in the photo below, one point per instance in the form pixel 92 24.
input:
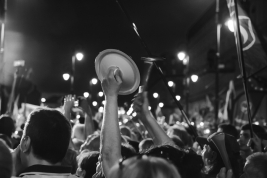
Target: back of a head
pixel 258 130
pixel 177 141
pixel 181 132
pixel 256 165
pixel 229 129
pixel 145 144
pixel 50 134
pixel 7 125
pixel 127 151
pixel 87 161
pixel 5 161
pixel 187 162
pixel 144 167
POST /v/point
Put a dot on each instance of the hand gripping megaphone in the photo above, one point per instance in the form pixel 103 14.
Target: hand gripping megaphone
pixel 110 58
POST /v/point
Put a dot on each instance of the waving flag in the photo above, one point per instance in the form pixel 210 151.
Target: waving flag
pixel 255 57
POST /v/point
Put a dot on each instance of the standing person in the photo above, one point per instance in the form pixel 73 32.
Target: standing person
pixel 43 145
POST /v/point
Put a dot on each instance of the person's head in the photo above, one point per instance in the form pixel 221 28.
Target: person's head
pixel 228 129
pixel 187 162
pixel 46 137
pixel 87 161
pixel 5 160
pixel 144 167
pixel 145 144
pixel 220 150
pixel 7 125
pixel 127 150
pixel 245 135
pixel 177 141
pixel 255 166
pixel 180 131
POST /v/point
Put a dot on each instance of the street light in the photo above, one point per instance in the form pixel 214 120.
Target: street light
pixel 155 95
pixel 181 55
pixel 100 93
pixel 94 81
pixel 194 78
pixel 79 57
pixel 66 76
pixel 86 94
pixel 170 83
pixel 230 24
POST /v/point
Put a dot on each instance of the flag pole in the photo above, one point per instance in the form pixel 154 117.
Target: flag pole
pixel 242 65
pixel 153 64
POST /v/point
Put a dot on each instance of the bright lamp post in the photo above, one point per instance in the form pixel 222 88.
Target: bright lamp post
pixel 79 57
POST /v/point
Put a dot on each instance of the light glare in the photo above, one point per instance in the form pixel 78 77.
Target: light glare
pixel 86 94
pixel 66 76
pixel 194 78
pixel 79 56
pixel 181 55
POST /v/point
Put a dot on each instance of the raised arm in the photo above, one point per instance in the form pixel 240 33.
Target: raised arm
pixel 110 147
pixel 158 135
pixel 89 124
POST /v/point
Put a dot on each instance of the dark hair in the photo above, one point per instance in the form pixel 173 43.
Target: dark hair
pixel 177 141
pixel 5 161
pixel 127 151
pixel 87 161
pixel 188 163
pixel 7 125
pixel 229 129
pixel 257 163
pixel 50 134
pixel 258 130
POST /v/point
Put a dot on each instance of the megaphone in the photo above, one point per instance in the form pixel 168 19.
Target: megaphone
pixel 110 58
pixel 219 142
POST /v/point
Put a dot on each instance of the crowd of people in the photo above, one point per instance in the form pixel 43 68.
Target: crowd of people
pixel 51 144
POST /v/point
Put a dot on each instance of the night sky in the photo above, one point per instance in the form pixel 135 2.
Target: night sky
pixel 46 33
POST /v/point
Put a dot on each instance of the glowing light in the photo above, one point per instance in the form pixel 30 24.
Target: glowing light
pixel 94 81
pixel 100 109
pixel 155 95
pixel 100 93
pixel 256 123
pixel 181 55
pixel 43 100
pixel 178 97
pixel 170 83
pixel 149 108
pixel 161 105
pixel 192 123
pixel 207 131
pixel 78 116
pixel 134 114
pixel 104 102
pixel 66 76
pixel 94 103
pixel 79 56
pixel 120 123
pixel 125 120
pixel 194 78
pixel 230 25
pixel 137 124
pixel 86 94
pixel 201 124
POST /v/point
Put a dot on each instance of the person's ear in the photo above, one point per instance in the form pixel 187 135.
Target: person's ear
pixel 25 144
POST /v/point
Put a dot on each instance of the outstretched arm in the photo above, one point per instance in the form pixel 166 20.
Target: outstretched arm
pixel 158 135
pixel 89 124
pixel 110 147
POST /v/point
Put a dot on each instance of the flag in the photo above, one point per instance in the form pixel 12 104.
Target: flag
pixel 255 57
pixel 229 103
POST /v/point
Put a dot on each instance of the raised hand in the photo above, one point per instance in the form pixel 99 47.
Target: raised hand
pixel 68 104
pixel 140 104
pixel 225 174
pixel 111 84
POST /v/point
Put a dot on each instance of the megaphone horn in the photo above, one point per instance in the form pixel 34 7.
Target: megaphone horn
pixel 219 141
pixel 129 72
